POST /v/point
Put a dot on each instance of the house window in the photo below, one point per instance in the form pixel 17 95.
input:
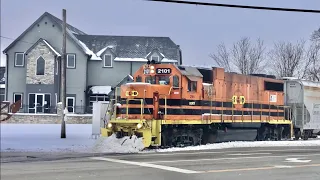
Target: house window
pixel 71 61
pixel 2 94
pixel 57 67
pixel 40 66
pixel 107 60
pixel 192 85
pixel 17 97
pixel 155 58
pixel 70 102
pixel 19 59
pixel 175 81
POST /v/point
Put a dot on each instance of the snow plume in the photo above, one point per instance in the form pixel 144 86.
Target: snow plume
pixel 123 145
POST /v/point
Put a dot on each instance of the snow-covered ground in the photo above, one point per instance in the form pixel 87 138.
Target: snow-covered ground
pixel 46 138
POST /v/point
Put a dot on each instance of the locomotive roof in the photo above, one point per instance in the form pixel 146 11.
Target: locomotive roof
pixel 189 71
pixel 206 73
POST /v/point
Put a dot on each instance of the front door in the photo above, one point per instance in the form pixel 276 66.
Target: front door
pixel 70 104
pixel 39 103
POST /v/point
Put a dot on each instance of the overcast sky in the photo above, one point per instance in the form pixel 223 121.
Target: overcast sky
pixel 197 29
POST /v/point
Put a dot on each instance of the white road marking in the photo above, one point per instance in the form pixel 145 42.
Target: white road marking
pixel 241 154
pixel 283 166
pixel 235 158
pixel 297 160
pixel 214 152
pixel 168 168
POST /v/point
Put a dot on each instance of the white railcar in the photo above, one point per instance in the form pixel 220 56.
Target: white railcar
pixel 304 99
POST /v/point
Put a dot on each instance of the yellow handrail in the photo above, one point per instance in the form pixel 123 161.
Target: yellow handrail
pixel 141 106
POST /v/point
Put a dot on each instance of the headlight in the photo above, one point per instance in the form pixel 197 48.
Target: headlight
pixel 139 126
pixel 109 125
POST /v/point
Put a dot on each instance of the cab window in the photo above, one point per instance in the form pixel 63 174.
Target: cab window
pixel 150 79
pixel 175 81
pixel 192 85
pixel 163 80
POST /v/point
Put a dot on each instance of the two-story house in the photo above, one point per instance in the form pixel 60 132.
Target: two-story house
pixel 95 63
pixel 2 83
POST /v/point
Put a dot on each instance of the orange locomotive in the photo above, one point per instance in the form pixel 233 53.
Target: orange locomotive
pixel 170 105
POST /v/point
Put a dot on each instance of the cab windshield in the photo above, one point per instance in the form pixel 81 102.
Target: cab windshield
pixel 163 80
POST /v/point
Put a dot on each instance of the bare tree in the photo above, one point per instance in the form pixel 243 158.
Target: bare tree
pixel 316 35
pixel 222 58
pixel 312 64
pixel 243 57
pixel 287 58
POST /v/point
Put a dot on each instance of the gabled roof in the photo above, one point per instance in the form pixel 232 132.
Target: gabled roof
pixel 125 48
pixel 46 43
pixel 2 72
pixel 70 27
pixel 56 20
pixel 130 46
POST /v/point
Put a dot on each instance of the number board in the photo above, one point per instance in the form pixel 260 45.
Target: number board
pixel 163 70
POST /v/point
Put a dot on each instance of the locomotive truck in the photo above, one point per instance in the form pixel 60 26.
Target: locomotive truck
pixel 173 105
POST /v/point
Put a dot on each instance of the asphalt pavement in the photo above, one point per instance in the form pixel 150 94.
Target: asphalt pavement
pixel 278 163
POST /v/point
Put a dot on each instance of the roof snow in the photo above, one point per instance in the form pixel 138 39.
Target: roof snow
pixel 102 50
pixel 51 47
pixel 101 89
pixel 142 59
pixel 131 77
pixel 89 52
pixel 131 59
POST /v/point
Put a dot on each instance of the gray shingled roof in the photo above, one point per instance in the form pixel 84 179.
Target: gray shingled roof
pixel 124 46
pixel 131 46
pixel 2 72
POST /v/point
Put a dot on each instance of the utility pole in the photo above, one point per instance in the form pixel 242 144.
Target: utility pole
pixel 63 74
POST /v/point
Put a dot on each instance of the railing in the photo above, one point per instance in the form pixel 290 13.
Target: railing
pixel 251 108
pixel 53 109
pixel 141 106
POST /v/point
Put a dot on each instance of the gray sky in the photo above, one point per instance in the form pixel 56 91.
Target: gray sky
pixel 197 29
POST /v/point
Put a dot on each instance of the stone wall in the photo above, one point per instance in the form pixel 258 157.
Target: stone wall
pixel 40 50
pixel 25 118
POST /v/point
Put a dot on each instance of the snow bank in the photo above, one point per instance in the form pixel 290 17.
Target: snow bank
pixel 243 144
pixel 46 138
pixel 113 145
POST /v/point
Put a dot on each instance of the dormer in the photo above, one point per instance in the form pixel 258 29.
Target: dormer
pixel 107 54
pixel 155 55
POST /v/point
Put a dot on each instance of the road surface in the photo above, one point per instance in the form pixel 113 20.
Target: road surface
pixel 285 163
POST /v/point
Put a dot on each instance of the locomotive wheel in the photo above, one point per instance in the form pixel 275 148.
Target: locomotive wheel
pixel 297 135
pixel 212 138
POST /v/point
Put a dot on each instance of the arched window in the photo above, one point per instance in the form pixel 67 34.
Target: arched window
pixel 175 81
pixel 40 66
